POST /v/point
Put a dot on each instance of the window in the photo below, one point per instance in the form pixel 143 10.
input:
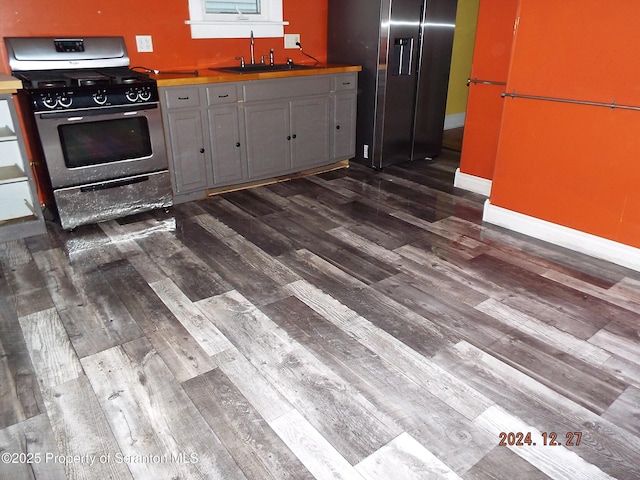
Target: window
pixel 218 6
pixel 236 19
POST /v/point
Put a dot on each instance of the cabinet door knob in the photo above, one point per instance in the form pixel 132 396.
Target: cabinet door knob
pixel 294 135
pixel 288 137
pixel 337 127
pixel 202 150
pixel 237 144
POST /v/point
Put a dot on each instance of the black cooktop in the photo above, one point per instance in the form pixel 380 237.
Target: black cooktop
pixel 80 77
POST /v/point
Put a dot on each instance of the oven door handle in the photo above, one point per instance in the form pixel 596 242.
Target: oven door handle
pixel 113 184
pixel 94 112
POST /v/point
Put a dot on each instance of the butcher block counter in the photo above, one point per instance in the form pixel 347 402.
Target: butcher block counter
pixel 217 75
pixel 225 131
pixel 9 84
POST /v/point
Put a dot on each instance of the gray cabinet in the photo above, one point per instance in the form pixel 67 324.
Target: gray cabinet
pixel 344 116
pixel 268 136
pixel 288 124
pixel 226 146
pixel 226 135
pixel 20 212
pixel 188 154
pixel 184 133
pixel 310 132
pixel 233 133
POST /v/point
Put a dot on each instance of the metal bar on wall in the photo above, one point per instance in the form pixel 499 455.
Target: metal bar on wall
pixel 611 105
pixel 485 82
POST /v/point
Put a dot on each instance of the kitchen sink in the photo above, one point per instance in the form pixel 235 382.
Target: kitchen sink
pixel 261 68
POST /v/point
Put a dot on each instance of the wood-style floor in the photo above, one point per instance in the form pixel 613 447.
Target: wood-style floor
pixel 352 325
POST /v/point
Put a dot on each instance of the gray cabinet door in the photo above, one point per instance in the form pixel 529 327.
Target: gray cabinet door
pixel 188 154
pixel 311 140
pixel 344 125
pixel 268 139
pixel 227 146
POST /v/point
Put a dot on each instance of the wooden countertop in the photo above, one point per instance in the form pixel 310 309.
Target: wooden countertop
pixel 9 84
pixel 217 76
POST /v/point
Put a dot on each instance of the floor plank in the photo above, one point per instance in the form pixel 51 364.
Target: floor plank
pixel 446 387
pixel 351 423
pixel 254 446
pixel 180 350
pixel 49 347
pixel 438 427
pixel 32 445
pixel 404 458
pixel 151 415
pixel 20 395
pixel 81 429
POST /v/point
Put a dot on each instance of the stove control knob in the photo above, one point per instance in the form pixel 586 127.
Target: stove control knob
pixel 100 97
pixel 65 100
pixel 145 94
pixel 49 101
pixel 132 94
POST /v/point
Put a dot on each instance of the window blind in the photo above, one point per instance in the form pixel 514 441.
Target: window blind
pixel 239 6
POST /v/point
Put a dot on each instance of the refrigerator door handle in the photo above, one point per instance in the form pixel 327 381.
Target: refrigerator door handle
pixel 402 56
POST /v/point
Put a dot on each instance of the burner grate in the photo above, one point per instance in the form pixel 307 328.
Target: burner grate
pixel 80 77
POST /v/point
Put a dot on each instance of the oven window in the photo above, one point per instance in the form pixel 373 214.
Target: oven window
pixel 105 141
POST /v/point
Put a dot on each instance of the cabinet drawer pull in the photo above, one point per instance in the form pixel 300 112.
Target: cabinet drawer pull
pixel 346 83
pixel 183 98
pixel 223 96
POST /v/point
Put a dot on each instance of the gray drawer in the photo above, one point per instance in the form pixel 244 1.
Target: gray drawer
pixel 345 81
pixel 222 93
pixel 286 88
pixel 181 97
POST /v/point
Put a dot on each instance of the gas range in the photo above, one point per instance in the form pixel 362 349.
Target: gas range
pixel 78 73
pixel 95 127
pixel 71 90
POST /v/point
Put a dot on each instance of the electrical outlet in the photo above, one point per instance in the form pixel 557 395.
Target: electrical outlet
pixel 144 43
pixel 290 40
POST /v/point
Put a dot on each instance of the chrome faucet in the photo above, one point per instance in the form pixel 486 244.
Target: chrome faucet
pixel 271 60
pixel 253 58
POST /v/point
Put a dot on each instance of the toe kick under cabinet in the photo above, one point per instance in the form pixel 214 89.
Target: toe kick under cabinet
pixel 235 133
pixel 20 213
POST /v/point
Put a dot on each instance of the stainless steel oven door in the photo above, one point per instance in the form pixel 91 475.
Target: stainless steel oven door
pixel 99 144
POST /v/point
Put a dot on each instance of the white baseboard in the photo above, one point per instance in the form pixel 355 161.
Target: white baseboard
pixel 454 121
pixel 582 242
pixel 472 183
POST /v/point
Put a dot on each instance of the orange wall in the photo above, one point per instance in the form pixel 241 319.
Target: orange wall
pixel 491 57
pixel 573 165
pixel 173 46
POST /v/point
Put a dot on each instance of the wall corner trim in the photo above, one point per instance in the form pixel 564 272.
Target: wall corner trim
pixel 455 120
pixel 575 240
pixel 472 183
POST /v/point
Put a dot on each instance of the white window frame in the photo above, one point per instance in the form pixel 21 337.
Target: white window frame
pixel 268 23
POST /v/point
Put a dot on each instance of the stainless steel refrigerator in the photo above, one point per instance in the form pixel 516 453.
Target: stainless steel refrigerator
pixel 404 47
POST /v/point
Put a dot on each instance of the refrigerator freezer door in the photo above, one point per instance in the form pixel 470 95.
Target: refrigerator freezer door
pixel 395 119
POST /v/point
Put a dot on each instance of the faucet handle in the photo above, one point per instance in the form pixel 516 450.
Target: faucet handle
pixel 241 58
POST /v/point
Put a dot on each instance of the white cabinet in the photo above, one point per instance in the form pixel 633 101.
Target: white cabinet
pixel 20 213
